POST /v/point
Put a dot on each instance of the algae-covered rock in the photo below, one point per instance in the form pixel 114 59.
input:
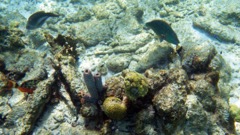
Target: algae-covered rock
pixel 133 26
pixel 170 103
pixel 94 31
pixel 37 38
pixel 136 84
pixel 178 76
pixel 149 56
pixel 82 15
pixel 10 38
pixel 106 10
pixel 196 58
pixel 217 30
pixel 115 86
pixel 156 80
pixel 205 92
pixel 102 68
pixel 118 63
pixel 145 122
pixel 197 120
pixel 114 108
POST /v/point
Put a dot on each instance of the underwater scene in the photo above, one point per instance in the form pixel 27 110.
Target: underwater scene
pixel 120 67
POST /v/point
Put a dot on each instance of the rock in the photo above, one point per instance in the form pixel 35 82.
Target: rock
pixel 170 103
pixel 217 30
pixel 24 61
pixel 118 63
pixel 115 86
pixel 94 31
pixel 24 113
pixel 10 38
pixel 229 15
pixel 102 68
pixel 145 122
pixel 133 26
pixel 218 64
pixel 151 54
pixel 82 15
pixel 205 93
pixel 196 58
pixel 178 76
pixel 197 120
pixel 106 10
pixel 37 38
pixel 156 80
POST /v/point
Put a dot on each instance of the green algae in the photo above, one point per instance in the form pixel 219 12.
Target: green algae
pixel 235 112
pixel 135 85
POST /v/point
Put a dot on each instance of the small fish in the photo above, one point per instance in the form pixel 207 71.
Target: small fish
pixel 28 86
pixel 163 30
pixel 37 19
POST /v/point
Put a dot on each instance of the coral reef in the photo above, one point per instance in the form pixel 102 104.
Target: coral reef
pixel 136 85
pixel 163 92
pixel 114 108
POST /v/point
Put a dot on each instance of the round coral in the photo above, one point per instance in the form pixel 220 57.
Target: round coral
pixel 135 85
pixel 114 108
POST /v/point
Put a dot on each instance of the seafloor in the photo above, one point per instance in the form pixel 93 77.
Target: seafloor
pixel 156 89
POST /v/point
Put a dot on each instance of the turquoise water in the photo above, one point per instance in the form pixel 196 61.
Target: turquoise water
pixel 178 76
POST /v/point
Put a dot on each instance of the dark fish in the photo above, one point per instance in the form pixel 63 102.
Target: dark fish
pixel 163 30
pixel 28 86
pixel 37 19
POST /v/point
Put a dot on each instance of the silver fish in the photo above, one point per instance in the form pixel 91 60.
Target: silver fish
pixel 37 19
